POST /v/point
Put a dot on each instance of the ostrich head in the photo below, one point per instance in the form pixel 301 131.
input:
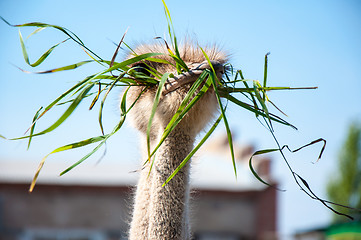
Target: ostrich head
pixel 173 94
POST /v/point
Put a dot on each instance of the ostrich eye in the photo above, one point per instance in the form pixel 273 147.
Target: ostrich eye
pixel 142 68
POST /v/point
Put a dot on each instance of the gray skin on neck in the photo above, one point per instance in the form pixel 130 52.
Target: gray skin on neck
pixel 162 212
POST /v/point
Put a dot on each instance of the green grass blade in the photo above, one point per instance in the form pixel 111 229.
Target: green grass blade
pixel 33 126
pixel 215 82
pixel 229 134
pixel 248 89
pixel 157 97
pixel 72 100
pixel 79 85
pixel 117 49
pixel 69 111
pixel 240 73
pixel 67 32
pixel 252 97
pixel 309 144
pixel 257 111
pixel 85 157
pixel 42 57
pixel 184 162
pixel 127 62
pixel 211 65
pixel 25 53
pixel 95 99
pixel 159 60
pixel 80 144
pixel 176 47
pixel 60 149
pixel 169 20
pixel 262 102
pixel 179 61
pixel 251 165
pixel 181 66
pixel 35 32
pixel 63 117
pixel 123 103
pixel 265 73
pixel 65 68
pixel 100 116
pixel 106 137
pixel 71 66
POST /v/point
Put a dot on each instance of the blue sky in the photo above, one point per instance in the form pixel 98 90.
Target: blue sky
pixel 312 43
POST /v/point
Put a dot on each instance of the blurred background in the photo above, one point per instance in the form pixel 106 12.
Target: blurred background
pixel 311 44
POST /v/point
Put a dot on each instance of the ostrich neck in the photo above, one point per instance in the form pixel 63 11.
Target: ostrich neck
pixel 168 215
pixel 162 212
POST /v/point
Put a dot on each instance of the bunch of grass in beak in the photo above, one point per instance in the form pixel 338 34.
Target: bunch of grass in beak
pixel 249 95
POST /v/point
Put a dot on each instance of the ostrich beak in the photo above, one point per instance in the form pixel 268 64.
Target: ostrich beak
pixel 195 70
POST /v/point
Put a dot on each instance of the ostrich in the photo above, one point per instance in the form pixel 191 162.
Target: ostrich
pixel 162 212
